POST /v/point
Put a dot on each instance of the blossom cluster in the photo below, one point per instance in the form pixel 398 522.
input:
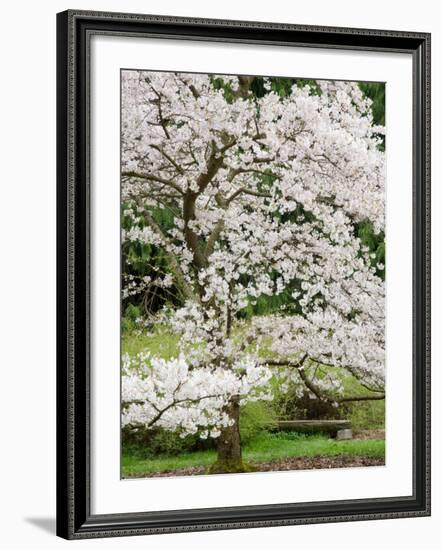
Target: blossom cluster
pixel 171 395
pixel 265 193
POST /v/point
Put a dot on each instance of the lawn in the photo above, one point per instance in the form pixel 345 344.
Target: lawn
pixel 265 448
pixel 161 344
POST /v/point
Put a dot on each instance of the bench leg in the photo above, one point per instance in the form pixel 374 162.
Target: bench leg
pixel 344 434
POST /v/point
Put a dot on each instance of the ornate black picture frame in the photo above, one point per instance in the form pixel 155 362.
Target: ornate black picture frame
pixel 74 518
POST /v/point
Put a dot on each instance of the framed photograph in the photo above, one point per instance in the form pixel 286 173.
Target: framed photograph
pixel 243 274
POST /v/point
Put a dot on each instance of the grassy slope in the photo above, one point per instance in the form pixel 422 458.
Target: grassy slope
pixel 161 345
pixel 263 449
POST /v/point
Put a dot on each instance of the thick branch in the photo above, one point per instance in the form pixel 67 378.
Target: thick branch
pixel 313 387
pixel 192 239
pixel 244 86
pixel 352 371
pixel 246 192
pixel 284 363
pixel 321 395
pixel 214 236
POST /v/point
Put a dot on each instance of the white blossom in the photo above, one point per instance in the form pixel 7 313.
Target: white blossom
pixel 265 193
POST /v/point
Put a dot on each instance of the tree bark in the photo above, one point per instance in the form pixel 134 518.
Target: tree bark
pixel 229 442
pixel 229 459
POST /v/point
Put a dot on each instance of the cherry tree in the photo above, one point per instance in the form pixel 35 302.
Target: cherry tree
pixel 265 191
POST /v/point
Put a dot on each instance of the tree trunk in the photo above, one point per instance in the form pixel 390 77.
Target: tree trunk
pixel 229 459
pixel 229 442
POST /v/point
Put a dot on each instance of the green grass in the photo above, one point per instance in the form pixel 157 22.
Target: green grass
pixel 159 344
pixel 282 445
pixel 264 448
pixel 164 344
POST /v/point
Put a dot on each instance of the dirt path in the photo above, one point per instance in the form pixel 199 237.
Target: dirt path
pixel 286 464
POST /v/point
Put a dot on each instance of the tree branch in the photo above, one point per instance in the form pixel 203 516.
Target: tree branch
pixel 148 177
pixel 284 363
pixel 214 236
pixel 192 240
pixel 160 412
pixel 160 113
pixel 168 157
pixel 313 387
pixel 244 86
pixel 320 395
pixel 246 192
